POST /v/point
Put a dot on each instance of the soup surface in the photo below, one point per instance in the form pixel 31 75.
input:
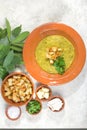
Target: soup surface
pixel 59 41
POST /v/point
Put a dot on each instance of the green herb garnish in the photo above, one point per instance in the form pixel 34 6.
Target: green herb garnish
pixel 59 65
pixel 11 47
pixel 33 107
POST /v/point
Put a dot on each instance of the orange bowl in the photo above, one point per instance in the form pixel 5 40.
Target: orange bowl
pixel 10 101
pixel 53 29
pixel 13 119
pixel 40 87
pixel 34 114
pixel 62 107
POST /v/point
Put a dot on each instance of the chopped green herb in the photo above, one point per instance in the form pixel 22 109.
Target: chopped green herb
pixel 33 107
pixel 59 65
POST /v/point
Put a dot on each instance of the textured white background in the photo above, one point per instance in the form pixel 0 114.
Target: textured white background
pixel 31 13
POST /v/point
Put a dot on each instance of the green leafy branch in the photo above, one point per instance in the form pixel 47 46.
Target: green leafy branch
pixel 11 47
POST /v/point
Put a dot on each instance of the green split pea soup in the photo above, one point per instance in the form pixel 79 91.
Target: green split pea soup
pixel 58 41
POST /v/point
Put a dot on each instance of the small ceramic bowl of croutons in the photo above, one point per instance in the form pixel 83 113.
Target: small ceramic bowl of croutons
pixel 17 89
pixel 43 92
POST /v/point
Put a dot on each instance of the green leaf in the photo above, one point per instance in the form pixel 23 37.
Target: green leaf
pixel 55 63
pixel 3 33
pixel 0 29
pixel 10 68
pixel 21 37
pixel 17 49
pixel 4 49
pixel 1 61
pixel 1 46
pixel 16 31
pixel 62 63
pixel 17 60
pixel 20 58
pixel 8 29
pixel 60 70
pixel 0 33
pixel 8 60
pixel 18 44
pixel 59 65
pixel 3 72
pixel 4 41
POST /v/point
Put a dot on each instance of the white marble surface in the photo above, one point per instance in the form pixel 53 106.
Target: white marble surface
pixel 31 13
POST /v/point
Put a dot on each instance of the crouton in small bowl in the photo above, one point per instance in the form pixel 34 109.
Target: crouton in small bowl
pixel 17 89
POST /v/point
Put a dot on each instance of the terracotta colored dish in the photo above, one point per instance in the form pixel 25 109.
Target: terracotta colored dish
pixel 53 97
pixel 9 101
pixel 13 119
pixel 43 86
pixel 37 112
pixel 52 29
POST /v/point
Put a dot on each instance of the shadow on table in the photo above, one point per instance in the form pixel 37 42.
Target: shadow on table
pixel 33 118
pixel 12 124
pixel 55 117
